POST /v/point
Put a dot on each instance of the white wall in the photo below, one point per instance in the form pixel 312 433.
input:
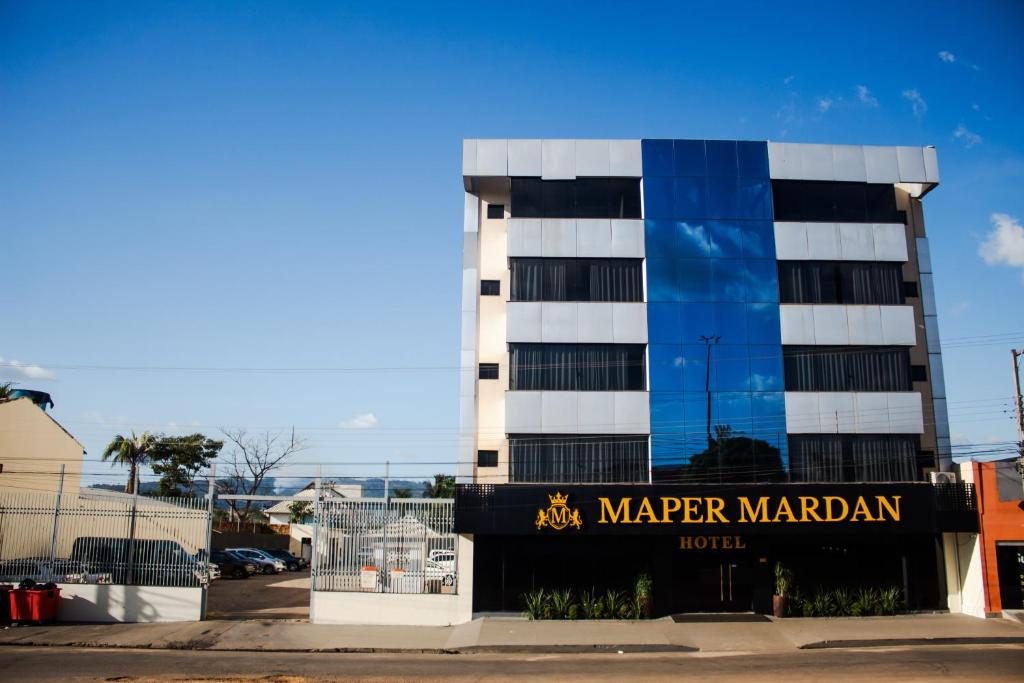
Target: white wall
pixel 841 242
pixel 854 412
pixel 576 237
pixel 577 412
pixel 145 604
pixel 576 322
pixel 964 584
pixel 847 325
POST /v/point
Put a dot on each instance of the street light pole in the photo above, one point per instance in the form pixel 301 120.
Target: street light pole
pixel 709 341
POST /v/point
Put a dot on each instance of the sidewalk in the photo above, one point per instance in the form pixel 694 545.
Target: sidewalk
pixel 495 634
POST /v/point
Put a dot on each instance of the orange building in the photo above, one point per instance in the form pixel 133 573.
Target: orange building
pixel 1000 496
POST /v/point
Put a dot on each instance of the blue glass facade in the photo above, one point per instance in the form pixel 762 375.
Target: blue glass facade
pixel 712 272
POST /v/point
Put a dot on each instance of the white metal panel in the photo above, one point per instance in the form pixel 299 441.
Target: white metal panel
pixel 817 162
pixel 831 325
pixel 823 242
pixel 627 238
pixel 469 157
pixel 905 413
pixel 632 412
pixel 848 163
pixel 791 242
pixel 593 238
pixel 785 161
pixel 471 216
pixel 522 412
pixel 592 158
pixel 524 158
pixel 928 294
pixel 597 412
pixel 558 159
pixel 898 325
pixel 931 165
pixel 595 323
pixel 911 164
pixel 797 324
pixel 629 323
pixel 837 412
pixel 881 165
pixel 890 242
pixel 523 321
pixel 625 160
pixel 872 412
pixel 803 415
pixel 559 322
pixel 559 237
pixel 525 237
pixel 865 324
pixel 492 157
pixel 857 242
pixel 560 411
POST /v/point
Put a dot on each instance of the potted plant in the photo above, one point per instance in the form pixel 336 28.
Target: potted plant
pixel 642 594
pixel 783 584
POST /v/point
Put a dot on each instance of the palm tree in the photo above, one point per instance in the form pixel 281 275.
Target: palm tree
pixel 6 389
pixel 132 452
pixel 443 487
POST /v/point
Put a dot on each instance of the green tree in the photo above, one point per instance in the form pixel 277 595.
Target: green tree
pixel 6 389
pixel 178 459
pixel 399 492
pixel 736 458
pixel 442 487
pixel 132 452
pixel 298 511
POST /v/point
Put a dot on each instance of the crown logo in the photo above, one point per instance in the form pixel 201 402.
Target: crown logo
pixel 558 515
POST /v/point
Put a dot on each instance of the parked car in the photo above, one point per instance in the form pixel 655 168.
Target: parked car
pixel 214 570
pixel 231 565
pixel 154 562
pixel 265 563
pixel 39 569
pixel 293 563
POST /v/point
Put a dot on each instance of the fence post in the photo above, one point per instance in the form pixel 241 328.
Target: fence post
pixel 130 574
pixel 56 524
pixel 317 519
pixel 210 485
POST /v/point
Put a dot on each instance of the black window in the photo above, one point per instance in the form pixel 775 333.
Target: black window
pixel 580 198
pixel 488 371
pixel 847 368
pixel 487 458
pixel 813 200
pixel 919 373
pixel 910 290
pixel 840 282
pixel 579 459
pixel 854 457
pixel 577 367
pixel 568 279
pixel 495 210
pixel 490 287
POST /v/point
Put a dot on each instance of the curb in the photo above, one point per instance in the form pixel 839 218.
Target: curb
pixel 894 642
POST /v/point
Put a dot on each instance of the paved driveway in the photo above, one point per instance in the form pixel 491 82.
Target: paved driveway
pixel 277 596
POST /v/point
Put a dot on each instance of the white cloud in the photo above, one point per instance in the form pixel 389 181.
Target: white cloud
pixel 976 107
pixel 364 421
pixel 947 56
pixel 787 80
pixel 29 371
pixel 865 96
pixel 1004 244
pixel 917 102
pixel 966 136
pixel 824 104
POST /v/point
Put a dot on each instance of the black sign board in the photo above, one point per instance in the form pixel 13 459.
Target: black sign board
pixel 695 509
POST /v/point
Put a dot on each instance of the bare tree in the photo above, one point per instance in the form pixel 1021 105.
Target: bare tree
pixel 250 460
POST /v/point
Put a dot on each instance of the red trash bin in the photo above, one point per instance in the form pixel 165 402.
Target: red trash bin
pixel 34 604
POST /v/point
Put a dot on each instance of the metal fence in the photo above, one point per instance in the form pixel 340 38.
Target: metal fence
pixel 103 537
pixel 374 546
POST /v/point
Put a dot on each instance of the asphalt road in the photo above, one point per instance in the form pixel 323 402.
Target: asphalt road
pixel 961 663
pixel 274 596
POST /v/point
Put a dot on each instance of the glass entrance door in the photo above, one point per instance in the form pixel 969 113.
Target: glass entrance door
pixel 714 582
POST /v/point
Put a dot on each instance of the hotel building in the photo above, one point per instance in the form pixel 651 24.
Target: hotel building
pixel 660 336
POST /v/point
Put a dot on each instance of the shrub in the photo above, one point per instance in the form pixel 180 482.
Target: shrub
pixel 561 601
pixel 614 601
pixel 842 602
pixel 889 600
pixel 821 604
pixel 865 603
pixel 783 579
pixel 573 612
pixel 591 604
pixel 537 604
pixel 643 587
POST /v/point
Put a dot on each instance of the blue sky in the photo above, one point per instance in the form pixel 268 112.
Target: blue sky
pixel 273 185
